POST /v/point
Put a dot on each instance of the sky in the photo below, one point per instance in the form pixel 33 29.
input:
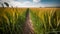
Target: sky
pixel 31 3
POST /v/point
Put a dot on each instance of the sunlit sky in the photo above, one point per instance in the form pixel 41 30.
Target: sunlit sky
pixel 32 3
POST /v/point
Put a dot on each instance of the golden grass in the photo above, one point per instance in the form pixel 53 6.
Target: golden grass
pixel 41 18
pixel 48 17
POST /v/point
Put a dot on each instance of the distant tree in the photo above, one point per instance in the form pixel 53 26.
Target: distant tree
pixel 6 4
pixel 1 4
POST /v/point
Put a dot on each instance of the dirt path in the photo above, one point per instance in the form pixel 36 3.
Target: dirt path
pixel 28 28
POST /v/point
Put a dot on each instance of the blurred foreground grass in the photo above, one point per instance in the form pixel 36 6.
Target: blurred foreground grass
pixel 12 20
pixel 44 20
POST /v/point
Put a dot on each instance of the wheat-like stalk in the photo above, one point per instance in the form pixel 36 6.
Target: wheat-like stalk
pixel 45 20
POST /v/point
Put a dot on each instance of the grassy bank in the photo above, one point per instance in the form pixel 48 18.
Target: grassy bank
pixel 43 20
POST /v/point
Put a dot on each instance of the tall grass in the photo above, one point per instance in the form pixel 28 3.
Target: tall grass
pixel 46 21
pixel 12 21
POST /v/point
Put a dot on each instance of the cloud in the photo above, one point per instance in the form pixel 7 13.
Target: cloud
pixel 6 0
pixel 21 4
pixel 36 1
pixel 24 4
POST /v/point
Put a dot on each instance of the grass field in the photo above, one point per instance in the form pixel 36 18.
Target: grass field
pixel 43 20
